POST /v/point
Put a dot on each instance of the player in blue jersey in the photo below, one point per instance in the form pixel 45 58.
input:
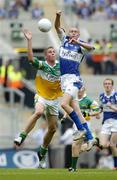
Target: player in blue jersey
pixel 108 101
pixel 71 54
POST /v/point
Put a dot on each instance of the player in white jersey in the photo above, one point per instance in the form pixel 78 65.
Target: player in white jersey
pixel 48 90
pixel 108 101
pixel 71 54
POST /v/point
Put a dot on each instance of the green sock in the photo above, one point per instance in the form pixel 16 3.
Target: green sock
pixel 43 150
pixel 23 135
pixel 74 162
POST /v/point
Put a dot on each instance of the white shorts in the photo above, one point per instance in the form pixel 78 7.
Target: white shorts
pixel 109 126
pixel 51 106
pixel 70 84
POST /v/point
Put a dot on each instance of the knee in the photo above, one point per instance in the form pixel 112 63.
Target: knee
pixel 38 113
pixel 63 104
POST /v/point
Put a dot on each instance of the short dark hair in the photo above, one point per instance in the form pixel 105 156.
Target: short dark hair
pixel 50 47
pixel 109 79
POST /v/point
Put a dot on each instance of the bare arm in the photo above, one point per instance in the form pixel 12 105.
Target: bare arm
pixel 57 21
pixel 86 45
pixel 28 36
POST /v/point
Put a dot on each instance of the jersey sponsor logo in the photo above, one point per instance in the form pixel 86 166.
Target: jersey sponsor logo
pixel 48 77
pixel 70 55
pixel 52 78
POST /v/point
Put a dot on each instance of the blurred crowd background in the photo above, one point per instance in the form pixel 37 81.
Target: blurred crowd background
pixel 97 21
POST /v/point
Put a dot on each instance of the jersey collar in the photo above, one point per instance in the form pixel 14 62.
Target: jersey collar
pixel 112 93
pixel 50 65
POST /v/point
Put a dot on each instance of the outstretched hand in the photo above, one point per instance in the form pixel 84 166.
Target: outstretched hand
pixel 27 34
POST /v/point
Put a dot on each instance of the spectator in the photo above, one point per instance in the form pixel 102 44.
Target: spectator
pixel 108 63
pixel 84 10
pixel 95 9
pixel 109 12
pixel 15 79
pixel 2 13
pixel 89 58
pixel 99 14
pixel 26 4
pixel 103 43
pixel 97 59
pixel 114 10
pixel 37 12
pixel 68 6
pixel 13 12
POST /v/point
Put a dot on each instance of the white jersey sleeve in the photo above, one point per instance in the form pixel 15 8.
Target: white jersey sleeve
pixel 61 35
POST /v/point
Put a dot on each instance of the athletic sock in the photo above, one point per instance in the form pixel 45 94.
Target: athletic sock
pixel 23 135
pixel 43 150
pixel 89 135
pixel 76 120
pixel 74 162
pixel 115 162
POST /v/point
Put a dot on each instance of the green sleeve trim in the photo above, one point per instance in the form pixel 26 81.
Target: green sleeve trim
pixel 89 101
pixel 36 63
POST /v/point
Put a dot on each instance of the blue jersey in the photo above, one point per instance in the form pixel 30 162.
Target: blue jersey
pixel 71 55
pixel 104 100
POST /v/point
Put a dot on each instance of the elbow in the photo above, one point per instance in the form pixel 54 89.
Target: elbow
pixel 91 48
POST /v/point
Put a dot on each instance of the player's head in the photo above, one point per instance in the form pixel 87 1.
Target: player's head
pixel 74 33
pixel 81 92
pixel 108 84
pixel 50 54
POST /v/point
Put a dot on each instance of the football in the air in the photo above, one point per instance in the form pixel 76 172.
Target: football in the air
pixel 44 25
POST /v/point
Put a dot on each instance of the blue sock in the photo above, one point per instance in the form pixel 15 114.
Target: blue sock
pixel 76 120
pixel 89 135
pixel 115 162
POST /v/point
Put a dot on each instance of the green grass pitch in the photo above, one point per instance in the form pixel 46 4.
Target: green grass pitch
pixel 57 174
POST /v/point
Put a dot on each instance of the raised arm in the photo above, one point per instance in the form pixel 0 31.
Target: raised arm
pixel 57 21
pixel 28 36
